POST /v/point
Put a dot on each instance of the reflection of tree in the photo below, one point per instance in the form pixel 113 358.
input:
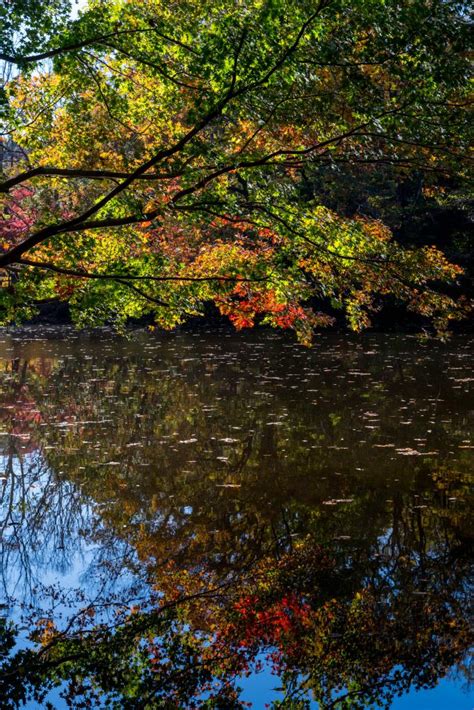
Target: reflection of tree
pixel 401 628
pixel 192 464
pixel 329 625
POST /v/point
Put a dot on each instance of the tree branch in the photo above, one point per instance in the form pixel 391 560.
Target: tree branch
pixel 127 277
pixel 79 173
pixel 50 53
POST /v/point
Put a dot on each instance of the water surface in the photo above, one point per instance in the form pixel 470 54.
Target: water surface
pixel 189 514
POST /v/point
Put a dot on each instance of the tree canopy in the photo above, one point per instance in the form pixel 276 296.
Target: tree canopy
pixel 157 156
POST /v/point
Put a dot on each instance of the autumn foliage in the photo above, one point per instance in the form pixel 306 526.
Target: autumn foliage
pixel 163 159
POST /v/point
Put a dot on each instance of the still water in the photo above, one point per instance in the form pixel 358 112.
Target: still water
pixel 211 519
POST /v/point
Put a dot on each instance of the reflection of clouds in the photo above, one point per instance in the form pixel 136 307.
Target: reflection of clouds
pixel 51 535
pixel 40 523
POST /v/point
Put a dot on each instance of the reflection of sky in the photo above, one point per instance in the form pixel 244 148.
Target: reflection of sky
pixel 261 688
pixel 55 577
pixel 40 555
pixel 448 695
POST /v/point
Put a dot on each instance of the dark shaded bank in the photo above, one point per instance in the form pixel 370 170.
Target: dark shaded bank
pixel 391 319
pixel 52 313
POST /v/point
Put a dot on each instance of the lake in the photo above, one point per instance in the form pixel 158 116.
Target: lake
pixel 206 519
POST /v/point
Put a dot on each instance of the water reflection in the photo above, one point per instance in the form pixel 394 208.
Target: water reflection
pixel 176 509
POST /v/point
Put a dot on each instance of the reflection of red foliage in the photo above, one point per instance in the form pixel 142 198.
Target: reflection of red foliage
pixel 19 410
pixel 280 626
pixel 26 411
pixel 272 623
pixel 277 613
pixel 21 418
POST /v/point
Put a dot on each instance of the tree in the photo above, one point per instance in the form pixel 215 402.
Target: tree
pixel 166 156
